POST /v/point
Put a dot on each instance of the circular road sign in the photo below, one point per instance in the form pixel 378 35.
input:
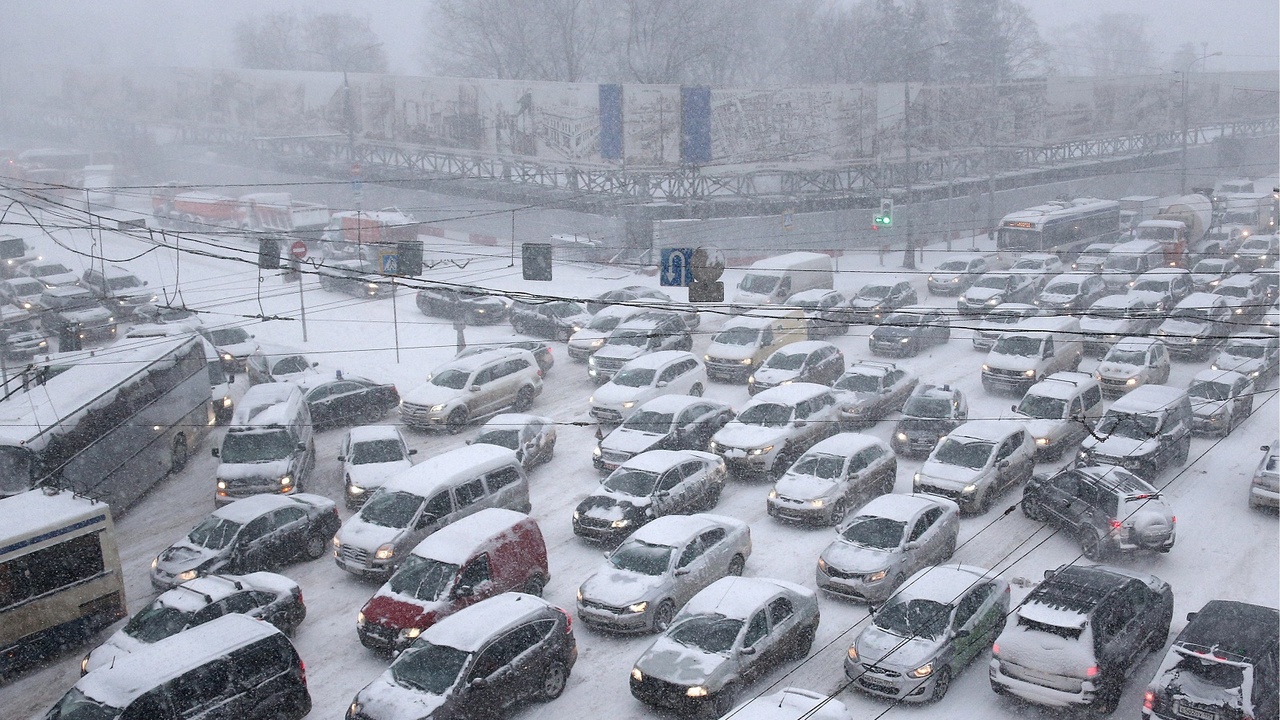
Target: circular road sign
pixel 707 264
pixel 298 249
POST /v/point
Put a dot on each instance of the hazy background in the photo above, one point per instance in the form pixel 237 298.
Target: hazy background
pixel 166 33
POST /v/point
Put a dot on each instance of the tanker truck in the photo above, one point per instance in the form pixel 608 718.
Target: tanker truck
pixel 1178 227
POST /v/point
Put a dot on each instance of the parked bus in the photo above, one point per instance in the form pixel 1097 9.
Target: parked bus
pixel 1060 226
pixel 108 423
pixel 60 578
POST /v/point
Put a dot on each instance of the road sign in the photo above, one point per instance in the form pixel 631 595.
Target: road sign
pixel 535 261
pixel 677 267
pixel 298 249
pixel 390 263
pixel 788 220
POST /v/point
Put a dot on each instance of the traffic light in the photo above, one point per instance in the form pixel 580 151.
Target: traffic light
pixel 269 254
pixel 885 218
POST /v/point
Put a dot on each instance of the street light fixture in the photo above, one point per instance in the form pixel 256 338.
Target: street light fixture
pixel 909 256
pixel 1185 73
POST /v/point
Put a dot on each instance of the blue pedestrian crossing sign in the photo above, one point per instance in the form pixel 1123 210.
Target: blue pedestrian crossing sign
pixel 390 263
pixel 676 270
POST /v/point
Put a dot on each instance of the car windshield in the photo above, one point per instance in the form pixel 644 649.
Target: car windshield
pixel 1196 314
pixel 954 266
pixel 1022 345
pixel 927 407
pixel 1209 267
pixel 47 270
pixel 641 557
pixel 972 454
pixel 759 284
pixel 451 379
pixel 75 705
pixel 876 532
pixel 634 377
pixel 875 292
pixel 1066 288
pixel 429 668
pixel 819 465
pixel 604 323
pixel 1257 244
pixel 256 446
pixel 1211 672
pixel 502 438
pixel 786 361
pixel 1122 263
pixel 156 622
pixel 713 633
pixel 390 508
pixel 648 421
pixel 228 336
pixel 1209 390
pixel 1041 407
pixel 1126 356
pixel 736 336
pixel 123 282
pixel 1155 286
pixel 1237 291
pixel 917 617
pixel 289 365
pixel 1129 425
pixel 997 282
pixel 423 578
pixel 903 320
pixel 628 481
pixel 376 451
pixel 766 414
pixel 631 338
pixel 26 287
pixel 214 533
pixel 564 309
pixel 1248 350
pixel 1238 218
pixel 858 382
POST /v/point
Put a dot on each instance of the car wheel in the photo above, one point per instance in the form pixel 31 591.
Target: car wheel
pixel 838 510
pixel 518 327
pixel 457 420
pixel 554 680
pixel 534 585
pixel 736 565
pixel 179 455
pixel 1107 699
pixel 1032 510
pixel 941 684
pixel 723 702
pixel 696 390
pixel 315 547
pixel 1091 544
pixel 524 399
pixel 663 615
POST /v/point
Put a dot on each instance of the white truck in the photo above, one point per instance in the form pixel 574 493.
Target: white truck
pixel 278 211
pixel 772 280
pixel 1245 215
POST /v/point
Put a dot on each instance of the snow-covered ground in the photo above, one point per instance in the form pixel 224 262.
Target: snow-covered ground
pixel 1224 550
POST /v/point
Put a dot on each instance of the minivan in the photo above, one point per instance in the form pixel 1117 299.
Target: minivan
pixel 772 280
pixel 1128 260
pixel 231 667
pixel 1144 432
pixel 739 349
pixel 486 554
pixel 424 499
pixel 269 446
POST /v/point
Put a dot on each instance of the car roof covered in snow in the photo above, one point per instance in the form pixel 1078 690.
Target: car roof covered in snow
pixel 789 394
pixel 1060 385
pixel 676 403
pixel 470 363
pixel 739 597
pixel 456 542
pixel 844 444
pixel 1148 398
pixel 985 430
pixel 804 347
pixel 662 460
pixel 657 359
pixel 444 469
pixel 470 628
pixel 248 508
pixel 901 506
pixel 370 433
pixel 676 530
pixel 943 583
pixel 1237 627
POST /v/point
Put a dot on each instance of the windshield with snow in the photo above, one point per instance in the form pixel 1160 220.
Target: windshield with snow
pixel 972 454
pixel 713 633
pixel 1065 288
pixel 927 407
pixel 875 292
pixel 857 382
pixel 786 361
pixel 641 557
pixel 604 323
pixel 635 377
pixel 123 282
pixel 766 415
pixel 954 266
pixel 993 282
pixel 1041 407
pixel 1125 356
pixel 376 451
pixel 429 668
pixel 874 532
pixel 648 421
pixel 819 465
pixel 914 618
pixel 451 379
pixel 1018 345
pixel 1194 314
pixel 627 481
pixel 156 622
pixel 502 438
pixel 228 336
pixel 214 533
pixel 736 336
pixel 1122 263
pixel 256 446
pixel 391 509
pixel 423 578
pixel 1248 350
pixel 1129 425
pixel 759 284
pixel 630 338
pixel 1236 291
pixel 1211 391
pixel 75 705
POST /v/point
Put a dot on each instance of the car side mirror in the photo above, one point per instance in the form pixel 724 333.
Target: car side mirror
pixel 801 423
pixel 213 452
pixel 342 458
pixel 300 446
pixel 1013 408
pixel 663 383
pixel 471 441
pixel 413 451
pixel 463 591
pixel 425 520
pixel 961 634
pixel 682 571
pixel 479 683
pixel 315 364
pixel 475 388
pixel 747 651
pixel 1191 616
pixel 1004 465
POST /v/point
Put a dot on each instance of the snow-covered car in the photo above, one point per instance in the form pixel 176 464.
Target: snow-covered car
pixel 49 272
pixel 1165 286
pixel 541 350
pixel 1270 320
pixel 1070 292
pixel 790 703
pixel 929 414
pixel 1106 508
pixel 955 274
pixel 813 361
pixel 1255 355
pixel 68 308
pixel 655 571
pixel 1001 318
pixel 474 387
pixel 259 532
pixel 730 633
pixel 644 334
pixel 826 311
pixel 1264 489
pixel 942 619
pixel 876 300
pixel 832 476
pixel 1133 362
pixel 592 337
pixel 532 437
pixel 120 290
pixel 775 428
pixel 638 294
pixel 1207 273
pixel 648 486
pixel 1116 316
pixel 263 595
pixel 1059 412
pixel 23 292
pixel 474 307
pixel 269 364
pixel 978 461
pixel 1091 259
pixel 1220 400
pixel 667 422
pixel 996 288
pixel 887 540
pixel 1258 251
pixel 22 338
pixel 1145 432
pixel 557 320
pixel 465 665
pixel 870 390
pixel 234 345
pixel 370 456
pixel 909 330
pixel 666 372
pixel 1039 266
pixel 1196 325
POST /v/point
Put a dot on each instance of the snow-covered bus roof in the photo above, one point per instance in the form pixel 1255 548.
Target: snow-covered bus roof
pixel 29 418
pixel 1036 217
pixel 34 516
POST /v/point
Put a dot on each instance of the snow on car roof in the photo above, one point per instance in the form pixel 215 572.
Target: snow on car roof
pixel 513 420
pixel 1161 273
pixel 804 347
pixel 433 473
pixel 469 363
pixel 456 542
pixel 138 672
pixel 657 359
pixel 660 460
pixel 1148 398
pixel 1135 343
pixel 37 512
pixel 470 628
pixel 676 530
pixel 1044 614
pixel 738 597
pixel 194 594
pixel 987 430
pixel 1198 300
pixel 811 295
pixel 942 583
pixel 791 703
pixel 369 433
pixel 675 403
pixel 1242 279
pixel 1118 301
pixel 896 506
pixel 844 444
pixel 870 368
pixel 1060 385
pixel 790 394
pixel 246 509
pixel 1223 376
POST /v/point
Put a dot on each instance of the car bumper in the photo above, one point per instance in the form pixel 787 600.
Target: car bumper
pixel 1210 424
pixel 1010 383
pixel 886 683
pixel 736 373
pixel 855 588
pixel 1262 497
pixel 230 495
pixel 915 445
pixel 382 639
pixel 376 570
pixel 423 418
pixel 603 535
pixel 800 511
pixel 1041 694
pixel 619 620
pixel 671 696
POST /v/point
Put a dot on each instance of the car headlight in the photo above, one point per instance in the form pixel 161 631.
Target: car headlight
pixel 994 301
pixel 337 544
pixel 155 563
pixel 922 672
pixel 986 367
pixel 696 691
pixel 226 402
pixel 751 379
pixel 638 607
pixel 822 564
pixel 354 709
pixel 84 665
pixel 905 340
pixel 411 633
pixel 744 361
pixel 1131 381
pixel 853 653
pixel 355 489
pixel 1042 441
pixel 595 452
pixel 628 404
pixel 624 522
pixel 286 480
pixel 577 514
pixel 385 551
pixel 1029 373
pixel 818 502
pixel 437 408
pixel 227 357
pixel 902 437
pixel 705 358
pixel 222 484
pixel 591 361
pixel 917 478
pixel 760 450
pixel 360 618
pixel 773 494
pixel 636 674
pixel 876 576
pixel 188 575
pixel 969 489
pixel 598 342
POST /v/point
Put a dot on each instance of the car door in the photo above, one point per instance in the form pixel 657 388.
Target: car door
pixel 254 546
pixel 666 494
pixel 1132 618
pixel 756 643
pixel 494 680
pixel 1055 497
pixel 692 570
pixel 288 534
pixel 475 582
pixel 693 427
pixel 782 629
pixel 925 544
pixel 971 623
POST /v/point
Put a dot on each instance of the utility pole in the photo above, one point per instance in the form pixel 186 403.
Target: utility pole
pixel 1186 77
pixel 909 255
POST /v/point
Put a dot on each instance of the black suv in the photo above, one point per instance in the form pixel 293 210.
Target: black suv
pixel 909 330
pixel 1206 673
pixel 471 306
pixel 1107 507
pixel 557 320
pixel 1079 633
pixel 929 413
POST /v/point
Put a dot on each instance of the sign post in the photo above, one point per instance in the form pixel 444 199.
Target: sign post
pixel 298 251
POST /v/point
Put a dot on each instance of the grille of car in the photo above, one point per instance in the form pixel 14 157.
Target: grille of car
pixel 661 689
pixel 592 522
pixel 606 415
pixel 354 555
pixel 841 574
pixel 411 412
pixel 877 670
pixel 610 364
pixel 935 490
pixel 614 456
pixel 601 606
pixel 380 633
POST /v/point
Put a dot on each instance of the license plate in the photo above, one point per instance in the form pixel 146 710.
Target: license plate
pixel 886 689
pixel 1195 714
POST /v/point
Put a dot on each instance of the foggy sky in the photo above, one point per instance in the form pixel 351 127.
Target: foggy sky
pixel 191 33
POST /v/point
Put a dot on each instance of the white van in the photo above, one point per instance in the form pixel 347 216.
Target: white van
pixel 425 498
pixel 1128 260
pixel 737 350
pixel 269 446
pixel 772 280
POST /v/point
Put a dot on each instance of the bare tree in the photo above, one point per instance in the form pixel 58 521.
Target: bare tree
pixel 289 41
pixel 993 41
pixel 674 41
pixel 516 39
pixel 1110 44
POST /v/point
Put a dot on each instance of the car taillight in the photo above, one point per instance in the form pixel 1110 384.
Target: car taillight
pixel 995 648
pixel 1091 671
pixel 568 621
pixel 302 671
pixel 297 595
pixel 1149 700
pixel 1115 524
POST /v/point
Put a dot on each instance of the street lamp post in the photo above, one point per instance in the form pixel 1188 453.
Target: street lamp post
pixel 348 110
pixel 1186 72
pixel 909 255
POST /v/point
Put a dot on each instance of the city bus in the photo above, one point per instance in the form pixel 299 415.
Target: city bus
pixel 60 578
pixel 108 423
pixel 1060 226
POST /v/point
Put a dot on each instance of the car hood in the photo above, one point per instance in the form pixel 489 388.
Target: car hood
pixel 1242 365
pixel 365 535
pixel 95 314
pixel 804 487
pixel 847 399
pixel 630 441
pixel 889 650
pixel 251 471
pixel 1174 326
pixel 1205 408
pixel 619 588
pixel 945 474
pixel 1056 298
pixel 433 395
pixel 739 435
pixel 182 556
pixel 680 664
pixel 1116 446
pixel 1110 326
pixel 775 376
pixel 620 352
pixel 730 352
pixel 115 646
pixel 608 505
pixel 856 558
pixel 610 395
pixel 1149 295
pixel 240 349
pixel 860 303
pixel 1044 428
pixel 982 294
pixel 388 607
pixel 1187 685
pixel 926 426
pixel 383 699
pixel 1118 370
pixel 372 475
pixel 585 337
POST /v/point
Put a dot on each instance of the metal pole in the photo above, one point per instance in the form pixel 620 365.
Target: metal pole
pixel 513 239
pixel 909 256
pixel 395 319
pixel 303 306
pixel 4 362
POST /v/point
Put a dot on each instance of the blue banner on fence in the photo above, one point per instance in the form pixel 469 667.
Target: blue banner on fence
pixel 695 125
pixel 611 122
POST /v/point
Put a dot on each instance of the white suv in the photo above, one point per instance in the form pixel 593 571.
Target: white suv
pixel 667 372
pixel 1132 362
pixel 472 387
